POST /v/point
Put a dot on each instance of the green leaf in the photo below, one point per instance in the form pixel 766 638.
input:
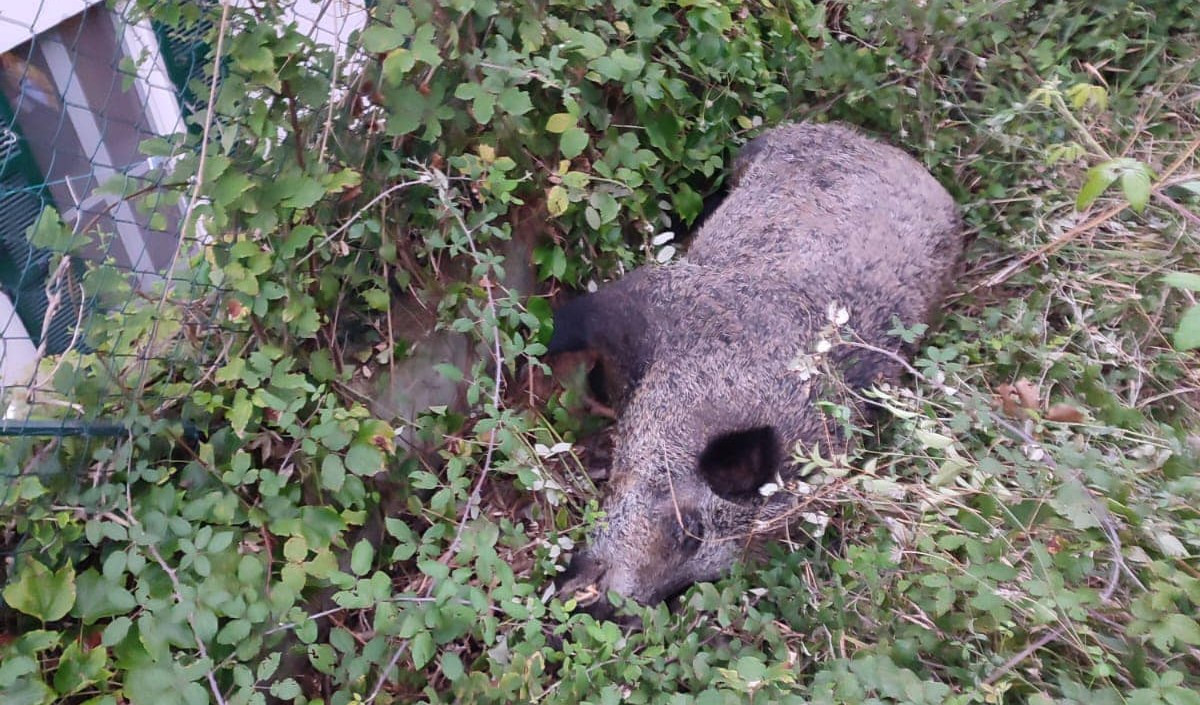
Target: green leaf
pixel 166 683
pixel 361 557
pixel 606 206
pixel 1183 629
pixel 662 128
pixel 49 232
pixel 377 299
pixel 590 45
pixel 483 107
pixel 286 689
pixel 515 101
pixel 78 668
pixel 333 473
pixel 254 58
pixel 1187 333
pixel 451 372
pixel 560 122
pixel 115 632
pixel 303 193
pixel 380 38
pixel 751 669
pixel 422 649
pixel 295 548
pixel 572 142
pixel 363 459
pixel 1074 502
pixel 98 597
pixel 1136 185
pixel 29 691
pixel 14 666
pixel 239 414
pixel 40 593
pixel 1098 179
pixel 397 64
pixel 452 666
pixel 1183 280
pixel 687 203
pixel 557 201
pixel 424 47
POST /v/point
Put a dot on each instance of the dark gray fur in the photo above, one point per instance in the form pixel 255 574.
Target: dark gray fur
pixel 696 353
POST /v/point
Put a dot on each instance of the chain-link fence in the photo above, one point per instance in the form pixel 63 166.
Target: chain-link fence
pixel 90 92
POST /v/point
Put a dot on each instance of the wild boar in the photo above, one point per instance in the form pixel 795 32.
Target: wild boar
pixel 697 356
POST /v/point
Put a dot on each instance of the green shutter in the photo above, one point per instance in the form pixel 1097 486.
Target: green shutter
pixel 185 53
pixel 24 268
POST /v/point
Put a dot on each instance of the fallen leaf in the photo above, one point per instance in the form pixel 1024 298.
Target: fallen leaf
pixel 1027 392
pixel 1065 413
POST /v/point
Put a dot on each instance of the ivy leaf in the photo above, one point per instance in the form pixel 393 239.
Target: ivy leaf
pixel 662 128
pixel 483 107
pixel 590 45
pixel 398 63
pixel 254 59
pixel 239 413
pixel 98 597
pixel 28 691
pixel 40 593
pixel 49 232
pixel 1183 629
pixel 78 668
pixel 687 203
pixel 379 38
pixel 1075 504
pixel 303 193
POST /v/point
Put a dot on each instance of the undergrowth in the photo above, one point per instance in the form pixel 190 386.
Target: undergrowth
pixel 1022 526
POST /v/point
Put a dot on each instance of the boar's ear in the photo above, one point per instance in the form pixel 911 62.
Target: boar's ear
pixel 736 464
pixel 572 326
pixel 613 324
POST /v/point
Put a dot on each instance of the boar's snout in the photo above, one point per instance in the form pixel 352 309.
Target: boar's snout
pixel 586 580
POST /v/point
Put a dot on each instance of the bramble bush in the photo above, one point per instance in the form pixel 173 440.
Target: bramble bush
pixel 1021 528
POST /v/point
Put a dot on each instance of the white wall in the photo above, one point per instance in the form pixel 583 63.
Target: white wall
pixel 328 21
pixel 20 20
pixel 16 349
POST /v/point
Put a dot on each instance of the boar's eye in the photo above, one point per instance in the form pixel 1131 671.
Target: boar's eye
pixel 689 534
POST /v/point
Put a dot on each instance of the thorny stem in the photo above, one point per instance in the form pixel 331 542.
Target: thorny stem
pixel 354 218
pixel 209 117
pixel 440 183
pixel 178 595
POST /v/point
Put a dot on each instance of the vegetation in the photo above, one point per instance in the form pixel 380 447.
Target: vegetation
pixel 1021 528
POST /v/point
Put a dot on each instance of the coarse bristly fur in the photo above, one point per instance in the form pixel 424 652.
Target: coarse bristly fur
pixel 696 354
